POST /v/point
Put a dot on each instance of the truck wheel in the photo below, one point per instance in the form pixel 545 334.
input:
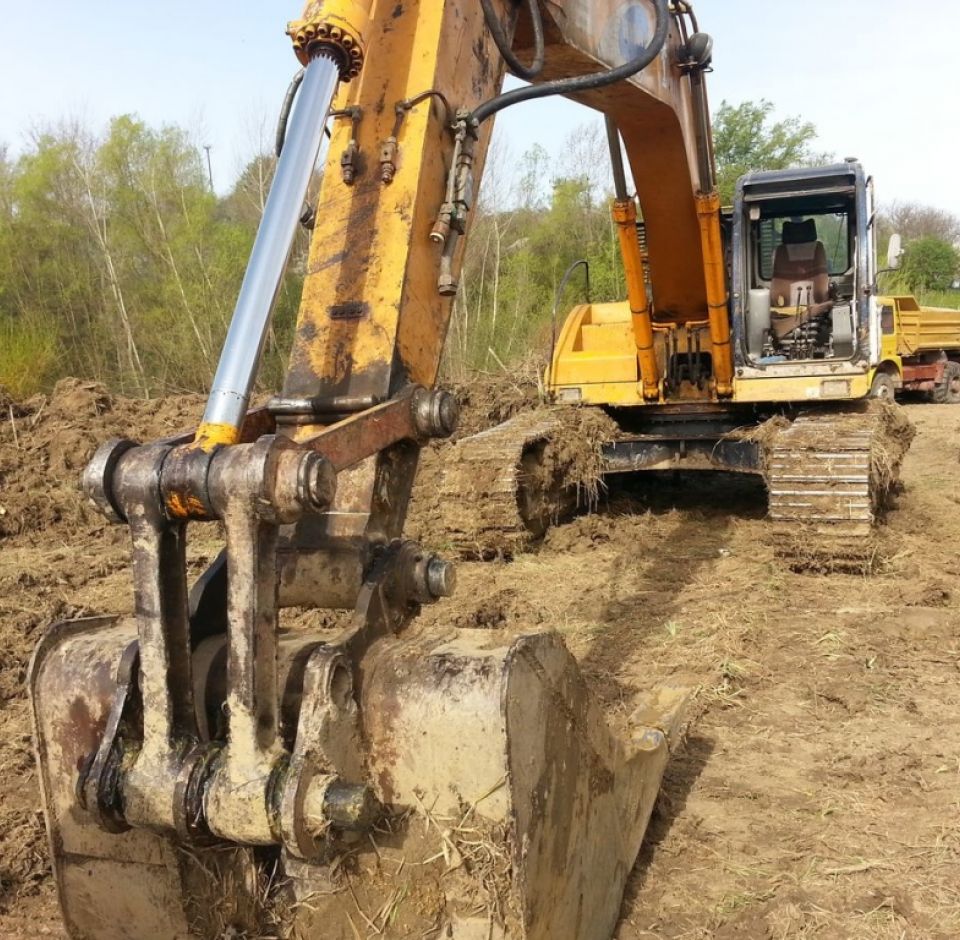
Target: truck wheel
pixel 883 387
pixel 951 384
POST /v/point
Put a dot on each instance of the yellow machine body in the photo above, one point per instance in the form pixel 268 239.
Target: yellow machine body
pixel 595 363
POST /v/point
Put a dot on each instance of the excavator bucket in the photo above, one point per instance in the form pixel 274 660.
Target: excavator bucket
pixel 508 807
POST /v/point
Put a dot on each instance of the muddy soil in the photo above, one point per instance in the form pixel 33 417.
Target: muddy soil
pixel 815 793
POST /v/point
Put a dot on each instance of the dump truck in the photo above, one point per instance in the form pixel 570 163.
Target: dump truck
pixel 920 350
pixel 216 764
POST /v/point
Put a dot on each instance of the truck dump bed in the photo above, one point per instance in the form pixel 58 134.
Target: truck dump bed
pixel 925 329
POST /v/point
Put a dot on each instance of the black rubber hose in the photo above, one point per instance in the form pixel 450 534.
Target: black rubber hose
pixel 526 72
pixel 569 86
pixel 285 109
pixel 559 297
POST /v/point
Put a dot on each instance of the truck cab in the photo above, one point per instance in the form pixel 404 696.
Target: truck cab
pixel 803 259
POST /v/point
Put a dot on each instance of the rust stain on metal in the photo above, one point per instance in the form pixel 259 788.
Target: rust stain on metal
pixel 83 729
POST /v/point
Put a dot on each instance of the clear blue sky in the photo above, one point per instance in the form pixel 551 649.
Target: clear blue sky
pixel 878 79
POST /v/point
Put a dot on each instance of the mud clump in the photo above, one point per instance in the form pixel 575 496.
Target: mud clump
pixel 890 446
pixel 582 535
pixel 500 610
pixel 497 492
pixel 488 400
pixel 573 456
pixel 46 441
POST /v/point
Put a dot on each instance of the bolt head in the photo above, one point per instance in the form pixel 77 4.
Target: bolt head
pixel 316 482
pixel 436 413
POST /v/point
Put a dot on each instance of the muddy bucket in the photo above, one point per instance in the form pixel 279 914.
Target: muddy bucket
pixel 509 808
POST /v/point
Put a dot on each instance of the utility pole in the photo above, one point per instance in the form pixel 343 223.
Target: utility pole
pixel 208 148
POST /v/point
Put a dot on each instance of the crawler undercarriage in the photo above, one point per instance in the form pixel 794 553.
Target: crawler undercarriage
pixel 829 473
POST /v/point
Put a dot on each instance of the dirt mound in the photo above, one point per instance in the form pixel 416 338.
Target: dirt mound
pixel 487 400
pixel 496 492
pixel 46 442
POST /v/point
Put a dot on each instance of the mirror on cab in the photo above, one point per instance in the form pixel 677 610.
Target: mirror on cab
pixel 894 252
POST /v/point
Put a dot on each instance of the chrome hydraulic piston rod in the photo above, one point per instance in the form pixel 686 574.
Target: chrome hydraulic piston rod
pixel 242 349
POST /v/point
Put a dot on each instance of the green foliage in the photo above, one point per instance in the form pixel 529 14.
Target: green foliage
pixel 117 263
pixel 517 257
pixel 929 264
pixel 745 138
pixel 29 357
pixel 942 298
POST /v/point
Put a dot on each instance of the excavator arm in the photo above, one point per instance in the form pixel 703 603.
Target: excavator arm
pixel 229 767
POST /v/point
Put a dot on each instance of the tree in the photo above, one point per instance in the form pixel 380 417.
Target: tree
pixel 518 253
pixel 929 264
pixel 913 221
pixel 746 138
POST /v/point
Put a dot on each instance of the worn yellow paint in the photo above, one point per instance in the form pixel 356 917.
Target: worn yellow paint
pixel 371 248
pixel 804 388
pixel 209 435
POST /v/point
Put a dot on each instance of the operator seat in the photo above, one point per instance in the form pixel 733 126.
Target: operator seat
pixel 800 287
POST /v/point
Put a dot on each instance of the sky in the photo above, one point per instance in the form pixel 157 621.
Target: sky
pixel 872 77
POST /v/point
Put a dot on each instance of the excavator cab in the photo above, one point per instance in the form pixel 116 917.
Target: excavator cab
pixel 800 261
pixel 803 271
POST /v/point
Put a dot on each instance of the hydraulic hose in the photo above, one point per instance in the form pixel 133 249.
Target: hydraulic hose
pixel 526 72
pixel 285 109
pixel 569 86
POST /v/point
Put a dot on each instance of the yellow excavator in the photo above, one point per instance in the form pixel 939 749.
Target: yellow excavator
pixel 220 764
pixel 747 344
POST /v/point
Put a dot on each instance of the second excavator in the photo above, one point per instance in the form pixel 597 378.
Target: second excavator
pixel 282 748
pixel 747 343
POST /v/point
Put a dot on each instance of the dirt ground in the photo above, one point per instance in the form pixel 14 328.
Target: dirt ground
pixel 817 790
